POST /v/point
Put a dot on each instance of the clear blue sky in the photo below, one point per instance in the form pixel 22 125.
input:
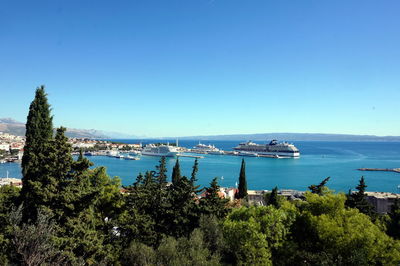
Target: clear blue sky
pixel 201 67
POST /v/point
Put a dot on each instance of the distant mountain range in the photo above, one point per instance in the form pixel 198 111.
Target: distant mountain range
pixel 295 137
pixel 14 127
pixel 9 125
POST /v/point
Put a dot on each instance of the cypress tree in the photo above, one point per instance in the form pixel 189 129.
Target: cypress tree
pixel 242 189
pixel 176 172
pixel 360 199
pixel 39 132
pixel 63 162
pixel 36 161
pixel 193 178
pixel 273 198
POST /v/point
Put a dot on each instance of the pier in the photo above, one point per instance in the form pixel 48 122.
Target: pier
pixel 190 156
pixel 396 170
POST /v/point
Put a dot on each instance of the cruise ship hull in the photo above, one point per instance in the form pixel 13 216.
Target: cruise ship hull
pixel 282 154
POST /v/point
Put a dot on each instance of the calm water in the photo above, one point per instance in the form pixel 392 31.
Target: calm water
pixel 339 160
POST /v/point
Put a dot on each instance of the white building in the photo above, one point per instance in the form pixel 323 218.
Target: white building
pixel 4 146
pixel 83 145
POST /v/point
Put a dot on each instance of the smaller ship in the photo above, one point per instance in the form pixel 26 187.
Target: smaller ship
pixel 130 157
pixel 160 150
pixel 112 153
pixel 206 149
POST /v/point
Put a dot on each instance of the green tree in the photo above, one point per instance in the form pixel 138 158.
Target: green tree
pixel 186 251
pixel 252 234
pixel 161 174
pixel 321 188
pixel 176 172
pixel 193 178
pixel 212 203
pixel 394 224
pixel 359 200
pixel 8 198
pixel 273 198
pixel 38 184
pixel 182 214
pixel 242 189
pixel 137 221
pixel 138 254
pixel 34 242
pixel 326 232
pixel 213 237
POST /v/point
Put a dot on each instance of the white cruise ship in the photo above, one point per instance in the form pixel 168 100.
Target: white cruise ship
pixel 160 150
pixel 207 149
pixel 282 149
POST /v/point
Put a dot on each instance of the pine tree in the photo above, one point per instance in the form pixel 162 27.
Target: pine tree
pixel 242 189
pixel 162 170
pixel 212 203
pixel 360 199
pixel 319 189
pixel 176 172
pixel 181 215
pixel 273 198
pixel 38 184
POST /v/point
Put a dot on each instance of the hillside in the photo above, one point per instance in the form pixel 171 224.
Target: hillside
pixel 9 125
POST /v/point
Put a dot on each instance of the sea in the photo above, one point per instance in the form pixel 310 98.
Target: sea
pixel 319 159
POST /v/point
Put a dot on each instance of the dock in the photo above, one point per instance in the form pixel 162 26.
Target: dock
pixel 396 170
pixel 190 156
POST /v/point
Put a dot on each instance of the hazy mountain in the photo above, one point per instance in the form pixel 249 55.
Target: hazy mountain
pixel 295 137
pixel 9 125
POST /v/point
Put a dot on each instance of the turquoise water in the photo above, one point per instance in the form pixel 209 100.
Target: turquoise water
pixel 339 160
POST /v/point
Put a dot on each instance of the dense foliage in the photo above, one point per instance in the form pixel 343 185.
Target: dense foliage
pixel 69 213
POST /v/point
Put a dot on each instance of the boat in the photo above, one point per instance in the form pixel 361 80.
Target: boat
pixel 282 149
pixel 160 150
pixel 135 152
pixel 130 157
pixel 218 152
pixel 112 153
pixel 206 149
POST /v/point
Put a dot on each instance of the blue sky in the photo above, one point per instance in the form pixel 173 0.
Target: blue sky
pixel 202 67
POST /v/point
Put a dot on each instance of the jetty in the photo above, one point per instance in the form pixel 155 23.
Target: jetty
pixel 190 156
pixel 396 170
